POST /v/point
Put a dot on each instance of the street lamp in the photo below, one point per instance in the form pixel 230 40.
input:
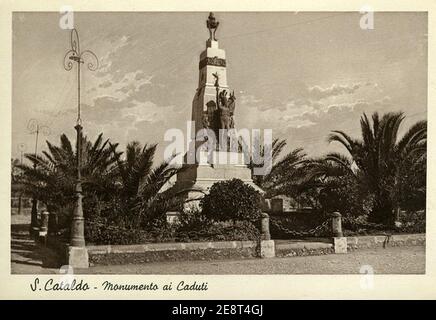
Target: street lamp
pixel 36 128
pixel 21 149
pixel 77 238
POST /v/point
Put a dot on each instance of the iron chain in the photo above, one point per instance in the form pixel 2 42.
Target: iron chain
pixel 363 224
pixel 295 233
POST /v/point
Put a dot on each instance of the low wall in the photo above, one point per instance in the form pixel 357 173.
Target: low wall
pixel 306 248
pixel 385 241
pixel 303 248
pixel 123 254
pixel 153 252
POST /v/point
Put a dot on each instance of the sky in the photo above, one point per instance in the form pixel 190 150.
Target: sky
pixel 301 74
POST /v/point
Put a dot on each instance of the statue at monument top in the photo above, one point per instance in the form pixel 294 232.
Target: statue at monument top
pixel 212 24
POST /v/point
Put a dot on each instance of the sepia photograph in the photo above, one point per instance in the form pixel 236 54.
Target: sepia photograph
pixel 218 143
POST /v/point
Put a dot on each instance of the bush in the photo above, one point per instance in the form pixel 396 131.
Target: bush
pixel 192 219
pixel 232 200
pixel 412 222
pixel 111 223
pixel 358 226
pixel 194 225
pixel 101 233
pixel 230 213
pixel 345 195
pixel 220 231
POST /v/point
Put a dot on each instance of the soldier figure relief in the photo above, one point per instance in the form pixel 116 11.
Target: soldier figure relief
pixel 226 107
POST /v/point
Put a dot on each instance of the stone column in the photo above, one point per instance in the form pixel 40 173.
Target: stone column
pixel 43 227
pixel 44 222
pixel 267 246
pixel 339 241
pixel 34 228
pixel 336 224
pixel 265 234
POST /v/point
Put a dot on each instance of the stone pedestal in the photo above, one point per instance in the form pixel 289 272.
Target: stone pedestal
pixel 77 257
pixel 340 244
pixel 267 249
pixel 339 241
pixel 44 224
pixel 195 181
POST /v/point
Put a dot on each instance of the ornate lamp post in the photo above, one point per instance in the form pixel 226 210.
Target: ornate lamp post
pixel 36 128
pixel 21 148
pixel 77 238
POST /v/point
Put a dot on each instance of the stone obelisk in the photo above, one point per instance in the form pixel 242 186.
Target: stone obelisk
pixel 210 98
pixel 212 76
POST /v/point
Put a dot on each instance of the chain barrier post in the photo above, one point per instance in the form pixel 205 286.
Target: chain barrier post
pixel 336 224
pixel 44 226
pixel 265 234
pixel 267 246
pixel 339 241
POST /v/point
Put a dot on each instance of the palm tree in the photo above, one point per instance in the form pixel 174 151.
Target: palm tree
pixel 381 159
pixel 52 175
pixel 120 192
pixel 288 175
pixel 139 183
pixel 336 187
pixel 15 170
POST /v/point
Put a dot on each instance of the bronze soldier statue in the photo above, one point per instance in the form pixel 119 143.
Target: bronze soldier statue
pixel 232 104
pixel 219 115
pixel 226 107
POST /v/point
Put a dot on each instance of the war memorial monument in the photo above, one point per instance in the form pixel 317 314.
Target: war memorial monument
pixel 219 155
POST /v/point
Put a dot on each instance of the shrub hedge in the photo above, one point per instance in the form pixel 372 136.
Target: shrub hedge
pixel 232 200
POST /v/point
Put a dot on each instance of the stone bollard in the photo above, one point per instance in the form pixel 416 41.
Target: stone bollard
pixel 339 241
pixel 34 227
pixel 44 226
pixel 267 246
pixel 44 221
pixel 336 224
pixel 265 234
